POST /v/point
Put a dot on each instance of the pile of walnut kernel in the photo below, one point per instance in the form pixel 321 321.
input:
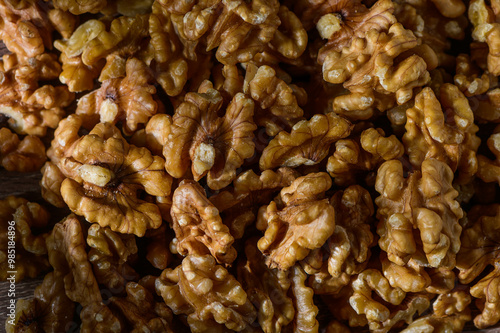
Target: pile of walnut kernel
pixel 253 165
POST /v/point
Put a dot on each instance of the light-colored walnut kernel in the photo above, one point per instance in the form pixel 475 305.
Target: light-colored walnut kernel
pixel 308 142
pixel 212 145
pixel 105 176
pixel 18 155
pixel 198 227
pixel 207 293
pixel 418 215
pixel 128 99
pixel 299 222
pixel 443 129
pixel 30 257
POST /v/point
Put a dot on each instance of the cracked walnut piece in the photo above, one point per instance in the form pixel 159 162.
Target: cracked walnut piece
pixel 30 104
pixel 109 254
pixel 66 249
pixel 267 290
pixel 451 312
pixel 50 311
pixel 18 155
pixel 301 221
pixel 308 142
pixel 400 306
pixel 443 129
pixel 479 250
pixel 368 67
pixel 487 30
pixel 138 311
pixel 418 215
pixel 207 293
pixel 129 99
pixel 31 251
pixel 213 146
pixel 105 178
pixel 198 227
pixel 362 155
pixel 25 28
pixel 488 170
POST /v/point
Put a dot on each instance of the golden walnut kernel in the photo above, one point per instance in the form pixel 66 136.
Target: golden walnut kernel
pixel 351 241
pixel 155 135
pixel 347 251
pixel 486 30
pixel 93 41
pixel 170 64
pixel 470 79
pixel 198 227
pixel 301 221
pixel 128 99
pixel 341 21
pixel 66 249
pixel 489 170
pixel 355 156
pixel 451 312
pixel 51 184
pixel 418 215
pixel 367 67
pixel 18 155
pixel 390 308
pixel 109 254
pixel 49 311
pixel 432 30
pixel 138 310
pixel 30 105
pixel 207 293
pixel 30 219
pixel 267 290
pixel 212 145
pixel 444 131
pixel 480 249
pixel 308 142
pixel 78 7
pixel 238 207
pixel 305 309
pixel 24 28
pixel 251 26
pixel 277 104
pixel 105 175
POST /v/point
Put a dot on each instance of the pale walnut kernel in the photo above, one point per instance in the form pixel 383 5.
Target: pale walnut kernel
pixel 451 312
pixel 239 207
pixel 488 170
pixel 109 254
pixel 24 28
pixel 362 154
